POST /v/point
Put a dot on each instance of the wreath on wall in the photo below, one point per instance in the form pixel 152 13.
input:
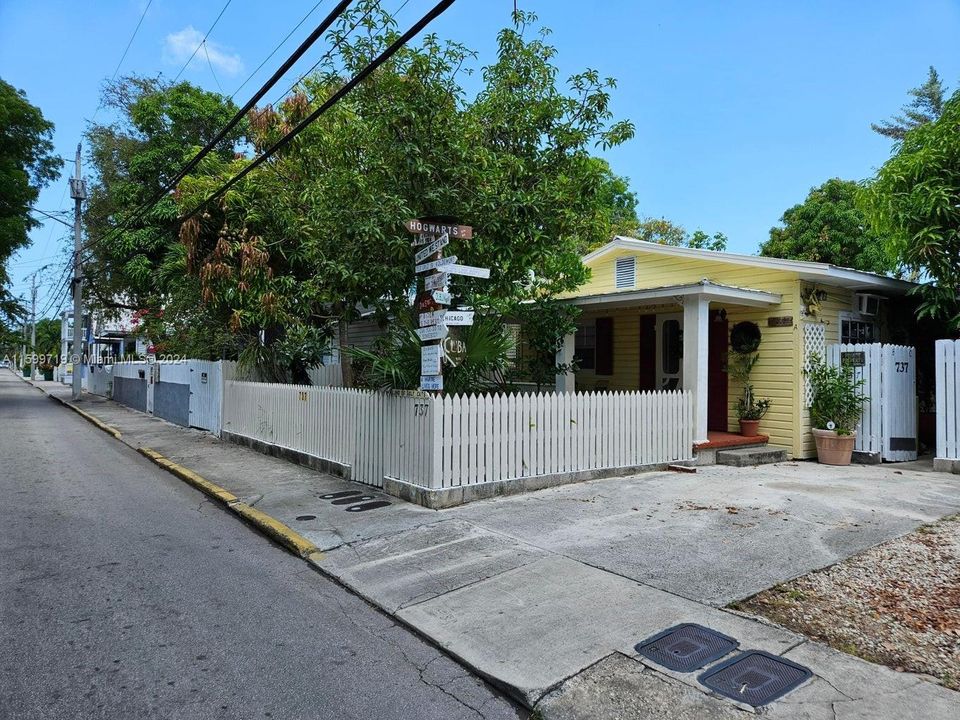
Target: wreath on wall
pixel 745 337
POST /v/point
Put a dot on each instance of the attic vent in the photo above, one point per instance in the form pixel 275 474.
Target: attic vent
pixel 626 273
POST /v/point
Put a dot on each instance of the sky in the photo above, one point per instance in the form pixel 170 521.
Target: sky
pixel 740 107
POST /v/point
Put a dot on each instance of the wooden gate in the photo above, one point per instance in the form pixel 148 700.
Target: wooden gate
pixel 888 426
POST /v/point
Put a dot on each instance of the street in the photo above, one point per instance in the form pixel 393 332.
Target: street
pixel 125 593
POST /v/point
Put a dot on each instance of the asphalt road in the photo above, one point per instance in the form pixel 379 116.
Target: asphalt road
pixel 124 593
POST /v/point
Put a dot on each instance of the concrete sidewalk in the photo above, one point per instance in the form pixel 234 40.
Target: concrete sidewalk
pixel 546 594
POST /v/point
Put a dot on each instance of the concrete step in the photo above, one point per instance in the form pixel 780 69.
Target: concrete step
pixel 745 457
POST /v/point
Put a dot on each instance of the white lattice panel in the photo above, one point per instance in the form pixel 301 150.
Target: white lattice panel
pixel 814 343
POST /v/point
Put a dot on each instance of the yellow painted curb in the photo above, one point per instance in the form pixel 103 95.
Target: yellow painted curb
pixel 199 482
pixel 283 534
pixel 96 421
pixel 273 528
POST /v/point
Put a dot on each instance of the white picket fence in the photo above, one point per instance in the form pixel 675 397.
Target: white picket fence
pixel 446 442
pixel 947 358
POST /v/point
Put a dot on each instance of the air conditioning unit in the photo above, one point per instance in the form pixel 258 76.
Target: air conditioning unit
pixel 867 304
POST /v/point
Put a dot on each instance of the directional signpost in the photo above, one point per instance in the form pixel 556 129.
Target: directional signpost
pixel 436 281
pixel 433 321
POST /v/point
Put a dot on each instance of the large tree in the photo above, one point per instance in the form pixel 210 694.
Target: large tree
pixel 914 201
pixel 667 232
pixel 828 227
pixel 925 106
pixel 158 127
pixel 317 234
pixel 27 164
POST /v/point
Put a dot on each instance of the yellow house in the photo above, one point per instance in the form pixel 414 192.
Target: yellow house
pixel 659 317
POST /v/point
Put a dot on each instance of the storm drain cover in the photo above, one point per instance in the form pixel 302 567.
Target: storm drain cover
pixel 306 517
pixel 353 499
pixel 686 647
pixel 367 506
pixel 755 677
pixel 334 496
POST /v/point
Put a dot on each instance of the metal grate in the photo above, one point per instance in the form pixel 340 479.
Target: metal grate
pixel 755 677
pixel 686 647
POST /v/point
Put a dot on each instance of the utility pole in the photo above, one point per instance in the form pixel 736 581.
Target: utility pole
pixel 33 327
pixel 78 191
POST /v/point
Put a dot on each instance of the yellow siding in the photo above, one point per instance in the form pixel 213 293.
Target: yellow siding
pixel 777 374
pixel 837 300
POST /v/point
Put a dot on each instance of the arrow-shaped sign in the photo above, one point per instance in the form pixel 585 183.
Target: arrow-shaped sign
pixel 468 270
pixel 432 318
pixel 434 247
pixel 442 298
pixel 458 317
pixel 435 281
pixel 434 332
pixel 439 263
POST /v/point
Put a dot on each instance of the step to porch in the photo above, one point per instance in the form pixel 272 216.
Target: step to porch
pixel 750 456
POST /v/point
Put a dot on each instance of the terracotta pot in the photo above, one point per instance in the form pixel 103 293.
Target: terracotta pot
pixel 833 449
pixel 749 428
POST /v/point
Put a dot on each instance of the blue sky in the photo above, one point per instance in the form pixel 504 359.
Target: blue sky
pixel 740 107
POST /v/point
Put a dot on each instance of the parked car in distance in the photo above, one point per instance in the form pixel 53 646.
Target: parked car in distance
pixel 4 364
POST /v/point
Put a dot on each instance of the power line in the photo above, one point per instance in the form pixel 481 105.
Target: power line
pixel 278 46
pixel 234 121
pixel 130 42
pixel 202 42
pixel 435 12
pixel 212 72
pixel 124 55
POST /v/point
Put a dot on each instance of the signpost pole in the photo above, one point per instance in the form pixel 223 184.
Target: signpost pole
pixel 430 262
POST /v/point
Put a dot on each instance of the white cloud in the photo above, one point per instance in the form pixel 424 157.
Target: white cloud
pixel 179 46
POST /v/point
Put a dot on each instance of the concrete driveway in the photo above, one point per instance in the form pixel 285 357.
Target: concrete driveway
pixel 723 533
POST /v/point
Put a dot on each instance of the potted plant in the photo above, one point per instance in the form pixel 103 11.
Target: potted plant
pixel 744 341
pixel 47 369
pixel 835 411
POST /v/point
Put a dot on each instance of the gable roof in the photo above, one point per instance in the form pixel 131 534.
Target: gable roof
pixel 810 271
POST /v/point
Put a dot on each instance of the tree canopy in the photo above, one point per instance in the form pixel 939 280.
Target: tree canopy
pixel 913 203
pixel 159 127
pixel 829 227
pixel 27 164
pixel 667 232
pixel 317 234
pixel 926 106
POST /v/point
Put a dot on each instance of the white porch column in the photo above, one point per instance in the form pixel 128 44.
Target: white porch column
pixel 696 326
pixel 566 383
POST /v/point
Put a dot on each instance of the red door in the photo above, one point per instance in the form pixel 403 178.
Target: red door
pixel 718 341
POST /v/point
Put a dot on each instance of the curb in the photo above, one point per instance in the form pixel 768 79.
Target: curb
pixel 85 415
pixel 271 527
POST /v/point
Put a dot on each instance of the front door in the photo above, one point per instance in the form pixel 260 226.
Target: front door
pixel 717 396
pixel 670 351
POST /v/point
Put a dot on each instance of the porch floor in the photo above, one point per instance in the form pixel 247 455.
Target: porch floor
pixel 719 440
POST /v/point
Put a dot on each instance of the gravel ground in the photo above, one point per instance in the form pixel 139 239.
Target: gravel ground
pixel 897 604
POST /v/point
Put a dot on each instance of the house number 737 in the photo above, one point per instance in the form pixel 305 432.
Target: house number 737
pixel 901 367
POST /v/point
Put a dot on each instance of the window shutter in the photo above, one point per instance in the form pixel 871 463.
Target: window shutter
pixel 626 273
pixel 604 352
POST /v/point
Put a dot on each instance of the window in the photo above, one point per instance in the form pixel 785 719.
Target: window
pixel 603 363
pixel 585 347
pixel 855 332
pixel 626 273
pixel 672 347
